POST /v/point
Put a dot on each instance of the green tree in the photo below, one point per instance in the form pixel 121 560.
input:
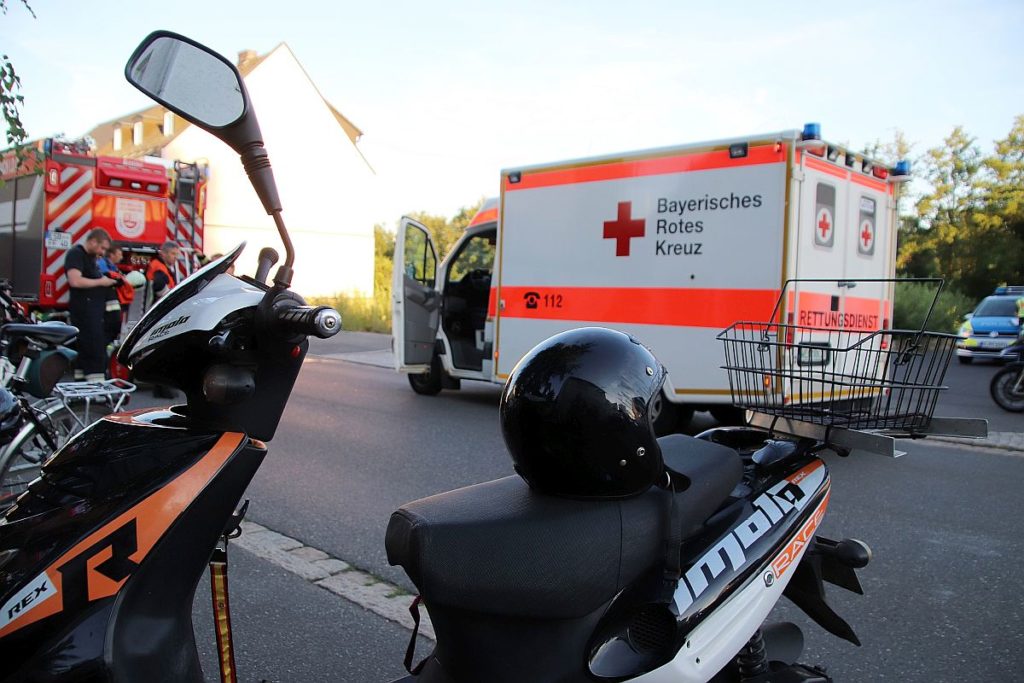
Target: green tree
pixel 383 255
pixel 446 231
pixel 10 97
pixel 1004 192
pixel 970 224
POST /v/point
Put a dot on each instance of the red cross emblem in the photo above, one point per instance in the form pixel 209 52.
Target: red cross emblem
pixel 824 227
pixel 867 234
pixel 866 237
pixel 624 228
pixel 824 224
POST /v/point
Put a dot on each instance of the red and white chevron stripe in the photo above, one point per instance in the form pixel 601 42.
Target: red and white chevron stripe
pixel 70 211
pixel 180 222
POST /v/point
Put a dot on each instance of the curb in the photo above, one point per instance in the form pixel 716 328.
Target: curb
pixel 1003 441
pixel 333 574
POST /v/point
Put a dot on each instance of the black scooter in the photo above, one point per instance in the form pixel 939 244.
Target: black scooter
pixel 100 557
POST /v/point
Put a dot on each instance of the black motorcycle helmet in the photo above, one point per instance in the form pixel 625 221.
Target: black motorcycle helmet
pixel 10 416
pixel 575 415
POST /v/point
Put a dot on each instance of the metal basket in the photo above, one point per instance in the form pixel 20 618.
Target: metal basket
pixel 868 380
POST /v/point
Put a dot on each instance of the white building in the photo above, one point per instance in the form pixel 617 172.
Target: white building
pixel 327 187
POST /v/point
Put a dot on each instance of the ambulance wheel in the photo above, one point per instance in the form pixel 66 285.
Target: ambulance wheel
pixel 667 417
pixel 729 415
pixel 428 383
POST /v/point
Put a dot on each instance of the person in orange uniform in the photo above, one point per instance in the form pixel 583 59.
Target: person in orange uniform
pixel 160 279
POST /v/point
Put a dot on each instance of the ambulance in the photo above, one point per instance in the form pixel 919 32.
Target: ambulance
pixel 671 245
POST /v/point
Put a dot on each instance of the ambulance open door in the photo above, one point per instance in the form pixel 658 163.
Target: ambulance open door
pixel 415 301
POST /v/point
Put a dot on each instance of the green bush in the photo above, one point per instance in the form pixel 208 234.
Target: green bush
pixel 913 300
pixel 360 314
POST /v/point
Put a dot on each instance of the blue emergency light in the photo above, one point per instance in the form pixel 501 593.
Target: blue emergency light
pixel 812 131
pixel 902 167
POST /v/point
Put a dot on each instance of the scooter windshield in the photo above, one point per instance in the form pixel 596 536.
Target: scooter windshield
pixel 183 291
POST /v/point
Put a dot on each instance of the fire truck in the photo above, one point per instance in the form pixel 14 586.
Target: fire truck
pixel 55 194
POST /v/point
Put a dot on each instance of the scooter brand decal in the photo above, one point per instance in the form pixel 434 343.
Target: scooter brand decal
pixel 786 558
pixel 167 327
pixel 729 554
pixel 103 561
pixel 36 592
pixel 76 576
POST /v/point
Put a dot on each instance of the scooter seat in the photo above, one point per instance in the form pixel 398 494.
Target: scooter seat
pixel 48 332
pixel 500 548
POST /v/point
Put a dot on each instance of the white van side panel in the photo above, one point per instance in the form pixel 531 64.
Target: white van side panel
pixel 671 248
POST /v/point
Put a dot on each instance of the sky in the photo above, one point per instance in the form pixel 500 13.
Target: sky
pixel 448 93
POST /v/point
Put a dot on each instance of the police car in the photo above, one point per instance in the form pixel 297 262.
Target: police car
pixel 992 326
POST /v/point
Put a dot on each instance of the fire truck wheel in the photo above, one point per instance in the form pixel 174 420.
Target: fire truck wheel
pixel 428 383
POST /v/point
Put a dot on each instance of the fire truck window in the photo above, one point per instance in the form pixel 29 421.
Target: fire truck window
pixel 419 257
pixel 476 254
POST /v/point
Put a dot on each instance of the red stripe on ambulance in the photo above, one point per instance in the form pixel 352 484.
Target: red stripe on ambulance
pixel 703 161
pixel 713 308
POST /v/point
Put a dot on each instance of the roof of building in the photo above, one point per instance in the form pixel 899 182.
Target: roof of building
pixel 154 136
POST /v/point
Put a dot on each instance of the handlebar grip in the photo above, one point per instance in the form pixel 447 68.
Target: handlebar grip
pixel 320 321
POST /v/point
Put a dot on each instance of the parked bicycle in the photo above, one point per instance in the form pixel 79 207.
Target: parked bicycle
pixel 33 359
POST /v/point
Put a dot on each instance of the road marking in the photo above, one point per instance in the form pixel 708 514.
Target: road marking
pixel 382 358
pixel 333 574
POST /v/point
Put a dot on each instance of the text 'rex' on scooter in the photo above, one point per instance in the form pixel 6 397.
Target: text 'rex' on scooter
pixel 100 557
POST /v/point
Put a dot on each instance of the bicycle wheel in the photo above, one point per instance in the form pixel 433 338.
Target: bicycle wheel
pixel 21 460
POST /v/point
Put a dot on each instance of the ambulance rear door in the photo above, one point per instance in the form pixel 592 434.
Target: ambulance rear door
pixel 870 252
pixel 415 300
pixel 843 238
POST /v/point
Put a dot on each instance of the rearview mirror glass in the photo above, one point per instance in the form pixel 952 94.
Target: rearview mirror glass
pixel 199 85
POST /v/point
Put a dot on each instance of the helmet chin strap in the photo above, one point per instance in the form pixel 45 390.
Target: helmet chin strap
pixel 673 543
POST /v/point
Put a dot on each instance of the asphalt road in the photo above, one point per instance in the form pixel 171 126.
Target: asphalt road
pixel 942 594
pixel 968 397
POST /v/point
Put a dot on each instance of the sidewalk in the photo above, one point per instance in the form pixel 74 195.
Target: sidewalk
pixel 1007 441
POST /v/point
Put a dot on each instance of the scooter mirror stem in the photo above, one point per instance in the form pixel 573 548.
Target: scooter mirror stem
pixel 283 278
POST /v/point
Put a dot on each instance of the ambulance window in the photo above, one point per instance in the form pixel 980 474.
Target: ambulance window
pixel 419 256
pixel 866 227
pixel 824 215
pixel 476 254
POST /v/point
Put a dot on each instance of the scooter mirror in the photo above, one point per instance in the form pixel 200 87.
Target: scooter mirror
pixel 206 89
pixel 195 83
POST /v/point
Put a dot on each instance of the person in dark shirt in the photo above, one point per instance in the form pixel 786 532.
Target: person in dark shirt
pixel 87 302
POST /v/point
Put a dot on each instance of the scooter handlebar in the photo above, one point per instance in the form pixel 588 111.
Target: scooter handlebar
pixel 320 321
